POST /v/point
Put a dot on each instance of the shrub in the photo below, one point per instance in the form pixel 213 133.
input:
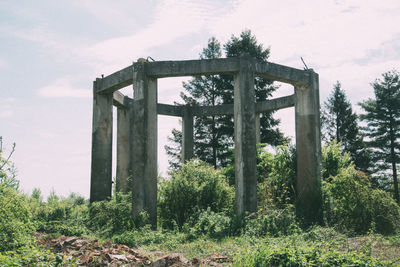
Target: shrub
pixel 351 204
pixel 212 224
pixel 333 160
pixel 63 216
pixel 272 222
pixel 290 255
pixel 16 226
pixel 107 218
pixel 279 173
pixel 194 187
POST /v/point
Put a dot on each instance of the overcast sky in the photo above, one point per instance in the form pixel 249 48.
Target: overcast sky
pixel 51 51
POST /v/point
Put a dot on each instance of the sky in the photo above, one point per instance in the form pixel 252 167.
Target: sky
pixel 51 51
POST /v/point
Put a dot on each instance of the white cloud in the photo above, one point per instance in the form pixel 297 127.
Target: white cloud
pixel 63 87
pixel 3 64
pixel 6 107
pixel 171 20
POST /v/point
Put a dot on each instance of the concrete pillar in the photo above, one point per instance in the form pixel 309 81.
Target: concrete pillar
pixel 187 134
pixel 144 144
pixel 124 165
pixel 258 128
pixel 308 145
pixel 101 166
pixel 245 138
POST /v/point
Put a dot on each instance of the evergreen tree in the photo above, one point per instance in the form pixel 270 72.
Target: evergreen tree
pixel 213 135
pixel 383 125
pixel 340 122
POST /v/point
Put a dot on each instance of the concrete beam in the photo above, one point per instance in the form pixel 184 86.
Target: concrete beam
pixel 226 109
pixel 124 164
pixel 116 81
pixel 119 99
pixel 161 69
pixel 144 144
pixel 245 138
pixel 101 166
pixel 170 110
pixel 280 73
pixel 187 134
pixel 308 148
pixel 275 104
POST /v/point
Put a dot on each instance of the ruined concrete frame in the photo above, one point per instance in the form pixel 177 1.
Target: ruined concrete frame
pixel 137 119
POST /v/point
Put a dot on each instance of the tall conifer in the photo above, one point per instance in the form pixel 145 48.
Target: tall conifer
pixel 340 122
pixel 382 115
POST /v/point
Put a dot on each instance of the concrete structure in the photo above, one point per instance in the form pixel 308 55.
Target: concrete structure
pixel 137 129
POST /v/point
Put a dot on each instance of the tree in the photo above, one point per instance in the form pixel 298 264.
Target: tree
pixel 214 134
pixel 340 122
pixel 382 116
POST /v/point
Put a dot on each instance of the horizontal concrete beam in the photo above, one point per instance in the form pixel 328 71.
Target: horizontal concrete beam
pixel 281 73
pixel 161 69
pixel 275 104
pixel 121 101
pixel 226 109
pixel 118 99
pixel 117 80
pixel 170 110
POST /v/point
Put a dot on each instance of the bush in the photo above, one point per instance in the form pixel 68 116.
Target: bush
pixel 194 187
pixel 63 216
pixel 212 224
pixel 351 204
pixel 273 222
pixel 16 226
pixel 107 218
pixel 333 160
pixel 270 255
pixel 278 174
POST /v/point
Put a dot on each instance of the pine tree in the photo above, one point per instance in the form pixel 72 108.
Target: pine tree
pixel 340 122
pixel 383 125
pixel 213 135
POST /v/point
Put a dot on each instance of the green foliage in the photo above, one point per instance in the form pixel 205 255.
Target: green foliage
pixel 351 204
pixel 333 160
pixel 277 173
pixel 64 216
pixel 382 116
pixel 340 123
pixel 194 187
pixel 147 237
pixel 211 224
pixel 108 218
pixel 289 255
pixel 8 172
pixel 272 222
pixel 32 256
pixel 16 225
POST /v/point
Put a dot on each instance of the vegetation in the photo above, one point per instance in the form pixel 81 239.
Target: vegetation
pixel 361 221
pixel 382 115
pixel 339 122
pixel 196 218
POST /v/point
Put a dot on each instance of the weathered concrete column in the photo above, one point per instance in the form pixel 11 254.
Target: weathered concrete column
pixel 124 165
pixel 144 144
pixel 258 128
pixel 187 134
pixel 308 145
pixel 101 167
pixel 245 138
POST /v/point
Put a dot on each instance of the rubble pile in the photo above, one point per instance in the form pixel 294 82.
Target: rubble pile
pixel 85 252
